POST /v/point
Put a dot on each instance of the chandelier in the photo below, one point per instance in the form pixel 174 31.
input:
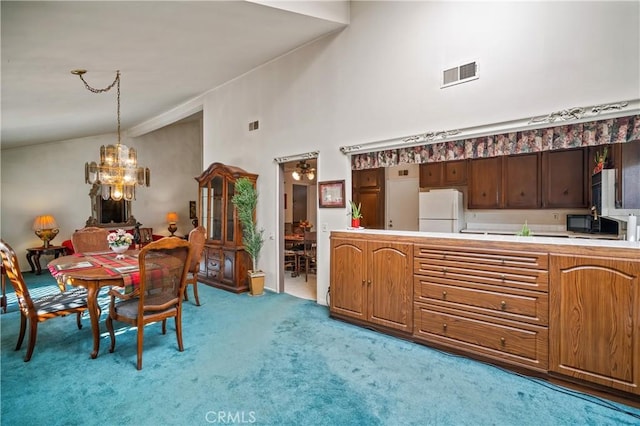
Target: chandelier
pixel 118 172
pixel 303 169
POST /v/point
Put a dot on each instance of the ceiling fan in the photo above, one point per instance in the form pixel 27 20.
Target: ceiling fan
pixel 304 169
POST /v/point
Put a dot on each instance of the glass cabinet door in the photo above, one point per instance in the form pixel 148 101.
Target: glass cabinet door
pixel 230 209
pixel 215 232
pixel 205 209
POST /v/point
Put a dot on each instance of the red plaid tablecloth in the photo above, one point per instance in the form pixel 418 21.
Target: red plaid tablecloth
pixel 127 268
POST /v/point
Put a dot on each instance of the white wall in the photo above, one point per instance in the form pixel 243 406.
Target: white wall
pixel 49 178
pixel 380 78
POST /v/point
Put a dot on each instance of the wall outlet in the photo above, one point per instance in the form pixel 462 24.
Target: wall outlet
pixel 556 216
pixel 324 227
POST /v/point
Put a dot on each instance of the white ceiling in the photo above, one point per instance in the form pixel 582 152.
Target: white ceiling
pixel 167 52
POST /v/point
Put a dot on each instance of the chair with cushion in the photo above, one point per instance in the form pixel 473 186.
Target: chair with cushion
pixel 197 237
pixel 90 239
pixel 158 296
pixel 43 308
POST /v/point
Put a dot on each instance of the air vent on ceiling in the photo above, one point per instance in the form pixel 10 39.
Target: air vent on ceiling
pixel 460 74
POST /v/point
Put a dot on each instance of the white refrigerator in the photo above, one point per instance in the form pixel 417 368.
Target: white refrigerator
pixel 441 210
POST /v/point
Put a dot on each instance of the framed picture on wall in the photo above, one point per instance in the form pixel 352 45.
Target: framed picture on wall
pixel 331 193
pixel 192 210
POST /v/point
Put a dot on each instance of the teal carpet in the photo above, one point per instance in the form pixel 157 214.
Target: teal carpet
pixel 271 360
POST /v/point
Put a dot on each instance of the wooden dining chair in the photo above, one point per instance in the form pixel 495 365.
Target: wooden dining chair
pixel 307 256
pixel 197 237
pixel 38 310
pixel 163 266
pixel 90 239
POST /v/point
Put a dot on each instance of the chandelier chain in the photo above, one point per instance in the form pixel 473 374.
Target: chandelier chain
pixel 106 89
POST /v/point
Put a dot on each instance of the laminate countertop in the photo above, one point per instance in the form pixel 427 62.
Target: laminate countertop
pixel 485 236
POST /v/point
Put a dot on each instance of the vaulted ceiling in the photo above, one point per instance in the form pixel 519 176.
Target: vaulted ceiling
pixel 167 52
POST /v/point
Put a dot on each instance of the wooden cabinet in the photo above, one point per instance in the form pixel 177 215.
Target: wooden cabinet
pixel 371 281
pixel 369 190
pixel 225 261
pixel 485 183
pixel 594 328
pixel 565 180
pixel 551 179
pixel 521 180
pixel 492 303
pixel 443 174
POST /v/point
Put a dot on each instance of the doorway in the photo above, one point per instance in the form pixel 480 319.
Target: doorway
pixel 299 205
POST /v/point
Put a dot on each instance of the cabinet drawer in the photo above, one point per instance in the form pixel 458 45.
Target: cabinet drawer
pixel 498 339
pixel 483 258
pixel 522 305
pixel 531 279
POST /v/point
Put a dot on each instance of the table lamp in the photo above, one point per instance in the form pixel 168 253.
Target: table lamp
pixel 172 218
pixel 45 228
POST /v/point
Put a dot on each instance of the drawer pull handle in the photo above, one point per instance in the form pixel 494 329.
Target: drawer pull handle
pixel 369 282
pixel 503 261
pixel 503 305
pixel 444 294
pixel 363 282
pixel 502 341
pixel 502 276
pixel 444 326
pixel 444 270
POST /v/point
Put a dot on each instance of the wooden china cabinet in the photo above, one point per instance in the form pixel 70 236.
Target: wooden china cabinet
pixel 225 262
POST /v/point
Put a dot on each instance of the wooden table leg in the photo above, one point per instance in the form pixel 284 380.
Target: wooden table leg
pixel 94 314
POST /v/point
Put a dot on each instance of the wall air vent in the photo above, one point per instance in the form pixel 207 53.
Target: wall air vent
pixel 460 74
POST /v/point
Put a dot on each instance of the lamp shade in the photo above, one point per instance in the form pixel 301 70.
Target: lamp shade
pixel 172 217
pixel 44 222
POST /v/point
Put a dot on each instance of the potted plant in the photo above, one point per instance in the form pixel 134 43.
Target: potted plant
pixel 245 199
pixel 356 214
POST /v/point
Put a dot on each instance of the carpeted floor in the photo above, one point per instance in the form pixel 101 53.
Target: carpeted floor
pixel 272 360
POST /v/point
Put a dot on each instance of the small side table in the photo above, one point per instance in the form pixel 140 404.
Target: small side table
pixel 34 253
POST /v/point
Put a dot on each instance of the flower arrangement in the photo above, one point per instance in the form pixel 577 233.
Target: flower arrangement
pixel 120 238
pixel 305 224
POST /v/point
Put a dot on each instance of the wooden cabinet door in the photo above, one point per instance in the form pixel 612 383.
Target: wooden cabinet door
pixel 454 172
pixel 594 325
pixel 348 278
pixel 521 181
pixel 485 183
pixel 390 284
pixel 565 178
pixel 430 175
pixel 368 190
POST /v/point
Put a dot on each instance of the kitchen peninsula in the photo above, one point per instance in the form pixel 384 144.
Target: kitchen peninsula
pixel 560 308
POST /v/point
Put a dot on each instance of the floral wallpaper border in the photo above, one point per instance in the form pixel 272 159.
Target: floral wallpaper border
pixel 600 132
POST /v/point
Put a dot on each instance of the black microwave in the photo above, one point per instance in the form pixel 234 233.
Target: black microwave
pixel 579 222
pixel 587 223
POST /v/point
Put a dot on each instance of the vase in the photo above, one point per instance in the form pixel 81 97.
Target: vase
pixel 119 250
pixel 355 223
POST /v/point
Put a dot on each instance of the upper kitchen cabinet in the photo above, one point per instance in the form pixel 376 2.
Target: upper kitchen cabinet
pixel 565 178
pixel 368 189
pixel 521 175
pixel 485 183
pixel 443 174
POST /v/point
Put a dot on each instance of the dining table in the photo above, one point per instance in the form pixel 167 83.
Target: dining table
pixel 94 271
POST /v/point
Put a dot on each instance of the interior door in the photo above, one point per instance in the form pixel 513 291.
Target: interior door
pixel 402 204
pixel 299 203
